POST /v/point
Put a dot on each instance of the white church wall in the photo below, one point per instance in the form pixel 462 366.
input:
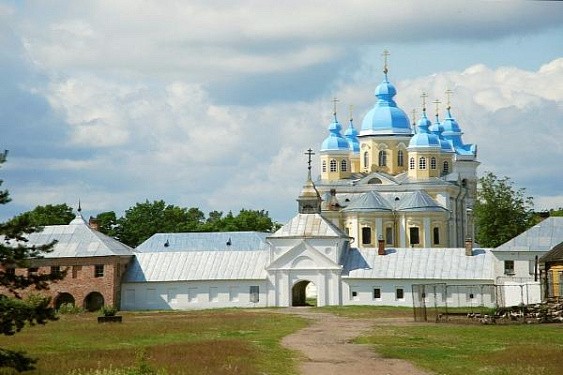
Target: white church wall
pixel 184 295
pixel 326 285
pixel 398 292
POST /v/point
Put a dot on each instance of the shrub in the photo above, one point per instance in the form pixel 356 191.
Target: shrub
pixel 108 310
pixel 69 308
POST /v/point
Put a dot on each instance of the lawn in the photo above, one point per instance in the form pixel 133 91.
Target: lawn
pixel 203 342
pixel 454 349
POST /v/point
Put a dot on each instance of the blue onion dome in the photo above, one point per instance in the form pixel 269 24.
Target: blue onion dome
pixel 351 135
pixel 450 125
pixel 385 117
pixel 335 140
pixel 423 137
pixel 438 130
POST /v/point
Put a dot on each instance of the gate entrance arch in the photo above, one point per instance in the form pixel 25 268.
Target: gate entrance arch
pixel 304 293
pixel 94 301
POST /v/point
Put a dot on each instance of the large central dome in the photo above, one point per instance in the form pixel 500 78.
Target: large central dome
pixel 385 118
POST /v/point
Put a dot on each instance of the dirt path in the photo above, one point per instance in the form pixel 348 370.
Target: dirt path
pixel 327 348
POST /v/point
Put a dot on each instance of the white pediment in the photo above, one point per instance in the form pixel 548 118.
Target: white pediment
pixel 303 256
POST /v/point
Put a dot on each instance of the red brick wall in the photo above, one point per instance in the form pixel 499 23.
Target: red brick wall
pixel 80 279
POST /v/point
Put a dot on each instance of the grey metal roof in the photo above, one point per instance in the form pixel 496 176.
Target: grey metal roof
pixel 197 265
pixel 427 263
pixel 541 237
pixel 419 201
pixel 77 239
pixel 309 225
pixel 371 201
pixel 208 241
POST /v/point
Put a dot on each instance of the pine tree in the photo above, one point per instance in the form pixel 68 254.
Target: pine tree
pixel 15 310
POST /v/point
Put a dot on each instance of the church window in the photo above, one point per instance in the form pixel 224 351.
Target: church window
pixel 324 166
pixel 411 163
pixel 422 163
pixel 376 293
pixel 433 163
pixel 509 267
pixel 254 294
pixel 400 158
pixel 446 167
pixel 436 236
pixel 333 165
pixel 399 293
pixel 99 270
pixel 382 158
pixel 366 235
pixel 389 236
pixel 343 166
pixel 366 160
pixel 414 236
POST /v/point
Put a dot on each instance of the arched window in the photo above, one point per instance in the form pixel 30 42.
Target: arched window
pixel 422 163
pixel 446 167
pixel 411 163
pixel 433 163
pixel 343 166
pixel 366 160
pixel 400 160
pixel 382 158
pixel 324 166
pixel 333 166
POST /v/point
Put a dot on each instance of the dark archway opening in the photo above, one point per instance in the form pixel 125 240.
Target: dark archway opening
pixel 64 299
pixel 304 293
pixel 93 301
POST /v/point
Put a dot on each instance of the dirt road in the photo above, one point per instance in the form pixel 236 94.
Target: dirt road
pixel 327 348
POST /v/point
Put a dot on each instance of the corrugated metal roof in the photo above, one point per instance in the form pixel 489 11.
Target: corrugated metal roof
pixel 198 265
pixel 442 263
pixel 309 225
pixel 541 237
pixel 77 239
pixel 208 241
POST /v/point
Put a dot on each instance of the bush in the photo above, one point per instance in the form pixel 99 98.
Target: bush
pixel 69 308
pixel 108 310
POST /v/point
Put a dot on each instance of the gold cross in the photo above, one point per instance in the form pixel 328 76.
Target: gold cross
pixel 334 101
pixel 424 96
pixel 449 96
pixel 437 102
pixel 413 116
pixel 351 110
pixel 385 54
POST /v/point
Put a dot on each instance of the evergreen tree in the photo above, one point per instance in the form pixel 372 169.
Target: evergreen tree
pixel 15 311
pixel 501 211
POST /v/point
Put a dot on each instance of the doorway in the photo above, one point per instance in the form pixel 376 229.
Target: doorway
pixel 304 293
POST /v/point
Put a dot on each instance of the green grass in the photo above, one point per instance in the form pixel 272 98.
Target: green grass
pixel 473 349
pixel 202 342
pixel 369 312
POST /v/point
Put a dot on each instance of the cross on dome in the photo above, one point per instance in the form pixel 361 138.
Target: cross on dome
pixel 449 96
pixel 385 54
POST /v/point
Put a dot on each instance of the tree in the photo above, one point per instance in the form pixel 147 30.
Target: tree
pixel 58 214
pixel 107 223
pixel 15 311
pixel 501 211
pixel 145 219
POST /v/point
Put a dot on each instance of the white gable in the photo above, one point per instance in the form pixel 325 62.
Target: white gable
pixel 303 256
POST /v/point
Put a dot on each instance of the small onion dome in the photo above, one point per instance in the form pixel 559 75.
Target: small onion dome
pixel 351 135
pixel 437 129
pixel 335 140
pixel 385 117
pixel 423 137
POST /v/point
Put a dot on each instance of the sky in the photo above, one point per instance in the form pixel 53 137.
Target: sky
pixel 212 104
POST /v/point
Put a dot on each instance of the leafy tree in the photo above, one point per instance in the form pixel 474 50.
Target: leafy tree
pixel 15 311
pixel 254 220
pixel 58 214
pixel 501 211
pixel 145 219
pixel 107 223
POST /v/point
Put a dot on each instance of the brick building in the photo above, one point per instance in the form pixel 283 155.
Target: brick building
pixel 94 262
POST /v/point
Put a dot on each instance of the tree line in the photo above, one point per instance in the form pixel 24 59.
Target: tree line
pixel 144 219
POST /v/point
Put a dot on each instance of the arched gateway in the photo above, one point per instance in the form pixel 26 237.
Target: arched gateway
pixel 304 293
